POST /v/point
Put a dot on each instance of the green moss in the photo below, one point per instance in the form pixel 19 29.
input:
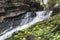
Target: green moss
pixel 46 30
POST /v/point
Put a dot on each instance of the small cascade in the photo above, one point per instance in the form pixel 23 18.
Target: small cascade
pixel 22 22
pixel 12 23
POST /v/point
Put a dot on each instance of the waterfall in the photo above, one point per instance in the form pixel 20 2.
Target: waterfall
pixel 45 2
pixel 25 21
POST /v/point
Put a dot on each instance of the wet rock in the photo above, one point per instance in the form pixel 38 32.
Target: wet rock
pixel 8 9
pixel 30 37
pixel 2 10
pixel 56 11
pixel 11 8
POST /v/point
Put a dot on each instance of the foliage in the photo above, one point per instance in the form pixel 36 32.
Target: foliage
pixel 55 1
pixel 46 30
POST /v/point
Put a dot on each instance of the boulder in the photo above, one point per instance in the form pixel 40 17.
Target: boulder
pixel 10 8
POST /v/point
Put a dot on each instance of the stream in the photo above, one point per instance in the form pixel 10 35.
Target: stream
pixel 22 22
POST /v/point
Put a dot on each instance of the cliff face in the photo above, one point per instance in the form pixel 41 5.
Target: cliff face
pixel 10 8
pixel 16 7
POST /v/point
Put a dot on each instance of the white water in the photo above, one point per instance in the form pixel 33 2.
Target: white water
pixel 40 16
pixel 45 2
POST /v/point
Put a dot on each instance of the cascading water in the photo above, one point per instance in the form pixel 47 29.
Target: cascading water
pixel 14 22
pixel 21 22
pixel 25 21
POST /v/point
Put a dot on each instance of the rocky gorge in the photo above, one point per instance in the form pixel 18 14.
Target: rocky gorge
pixel 18 15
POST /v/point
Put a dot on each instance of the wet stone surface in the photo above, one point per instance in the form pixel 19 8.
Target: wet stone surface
pixel 19 20
pixel 30 37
